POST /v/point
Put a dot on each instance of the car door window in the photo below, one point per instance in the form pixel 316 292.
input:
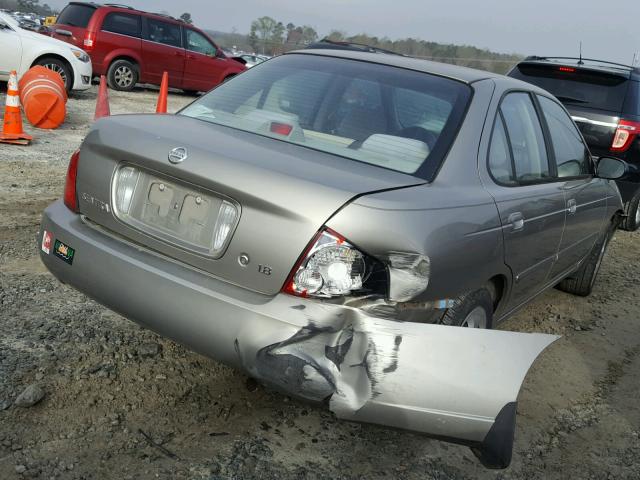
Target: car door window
pixel 200 44
pixel 571 155
pixel 525 137
pixel 500 164
pixel 163 32
pixel 123 24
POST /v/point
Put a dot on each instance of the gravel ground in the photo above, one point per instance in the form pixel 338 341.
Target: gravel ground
pixel 87 394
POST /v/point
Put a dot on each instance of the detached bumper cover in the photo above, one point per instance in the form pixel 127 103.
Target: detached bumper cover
pixel 454 383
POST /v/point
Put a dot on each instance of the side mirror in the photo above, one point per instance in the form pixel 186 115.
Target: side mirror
pixel 611 168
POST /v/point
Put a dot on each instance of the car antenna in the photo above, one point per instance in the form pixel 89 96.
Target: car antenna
pixel 580 62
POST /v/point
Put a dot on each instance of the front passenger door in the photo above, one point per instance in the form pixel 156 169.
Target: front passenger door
pixel 529 200
pixel 203 68
pixel 585 194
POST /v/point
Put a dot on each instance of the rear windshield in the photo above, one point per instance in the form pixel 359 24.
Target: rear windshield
pixel 599 90
pixel 386 116
pixel 76 15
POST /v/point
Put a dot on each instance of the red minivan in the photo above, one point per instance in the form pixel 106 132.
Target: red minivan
pixel 130 46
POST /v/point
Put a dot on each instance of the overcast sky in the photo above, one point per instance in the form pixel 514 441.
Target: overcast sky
pixel 608 31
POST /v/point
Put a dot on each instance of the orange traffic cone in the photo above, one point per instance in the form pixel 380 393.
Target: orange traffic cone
pixel 102 105
pixel 161 107
pixel 12 129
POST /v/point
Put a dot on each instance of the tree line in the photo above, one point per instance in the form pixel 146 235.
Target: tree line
pixel 272 37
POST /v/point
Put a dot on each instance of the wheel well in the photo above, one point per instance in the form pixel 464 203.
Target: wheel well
pixel 57 57
pixel 497 287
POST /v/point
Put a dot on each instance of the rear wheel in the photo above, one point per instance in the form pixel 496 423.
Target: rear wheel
pixel 61 68
pixel 582 281
pixel 122 75
pixel 472 310
pixel 632 209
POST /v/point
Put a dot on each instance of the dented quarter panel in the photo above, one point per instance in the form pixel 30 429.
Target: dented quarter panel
pixel 453 222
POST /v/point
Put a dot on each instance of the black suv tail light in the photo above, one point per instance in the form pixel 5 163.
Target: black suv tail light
pixel 625 135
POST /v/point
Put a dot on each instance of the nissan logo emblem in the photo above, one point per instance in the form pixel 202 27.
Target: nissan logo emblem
pixel 177 155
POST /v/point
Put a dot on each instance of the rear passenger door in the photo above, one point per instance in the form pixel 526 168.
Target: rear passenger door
pixel 529 199
pixel 585 195
pixel 162 51
pixel 120 31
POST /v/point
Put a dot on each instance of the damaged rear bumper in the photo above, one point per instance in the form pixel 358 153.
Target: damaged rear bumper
pixel 454 383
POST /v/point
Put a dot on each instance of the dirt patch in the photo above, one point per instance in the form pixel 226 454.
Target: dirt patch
pixel 121 402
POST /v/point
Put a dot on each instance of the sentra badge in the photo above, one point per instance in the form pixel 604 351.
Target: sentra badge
pixel 65 252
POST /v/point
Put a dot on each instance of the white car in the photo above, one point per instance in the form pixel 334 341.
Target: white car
pixel 22 49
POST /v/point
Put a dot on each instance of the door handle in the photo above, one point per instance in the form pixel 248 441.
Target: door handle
pixel 572 206
pixel 516 220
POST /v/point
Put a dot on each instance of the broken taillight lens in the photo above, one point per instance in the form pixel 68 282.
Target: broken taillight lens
pixel 625 134
pixel 332 267
pixel 70 193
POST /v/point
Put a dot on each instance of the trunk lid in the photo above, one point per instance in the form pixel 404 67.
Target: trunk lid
pixel 282 193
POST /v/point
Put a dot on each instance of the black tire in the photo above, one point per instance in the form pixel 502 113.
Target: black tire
pixel 582 280
pixel 474 309
pixel 122 75
pixel 60 67
pixel 192 93
pixel 631 222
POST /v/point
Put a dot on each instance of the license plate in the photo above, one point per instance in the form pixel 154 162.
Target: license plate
pixel 177 213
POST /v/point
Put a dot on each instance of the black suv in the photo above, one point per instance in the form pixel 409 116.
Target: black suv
pixel 603 99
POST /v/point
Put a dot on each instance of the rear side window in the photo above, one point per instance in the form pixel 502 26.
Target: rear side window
pixel 123 23
pixel 76 15
pixel 500 164
pixel 356 110
pixel 574 86
pixel 525 138
pixel 163 32
pixel 571 155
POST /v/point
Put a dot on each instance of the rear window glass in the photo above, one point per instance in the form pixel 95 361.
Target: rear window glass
pixel 123 24
pixel 386 116
pixel 76 15
pixel 599 90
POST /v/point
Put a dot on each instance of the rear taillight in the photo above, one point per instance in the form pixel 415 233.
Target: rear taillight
pixel 89 40
pixel 70 193
pixel 625 135
pixel 332 267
